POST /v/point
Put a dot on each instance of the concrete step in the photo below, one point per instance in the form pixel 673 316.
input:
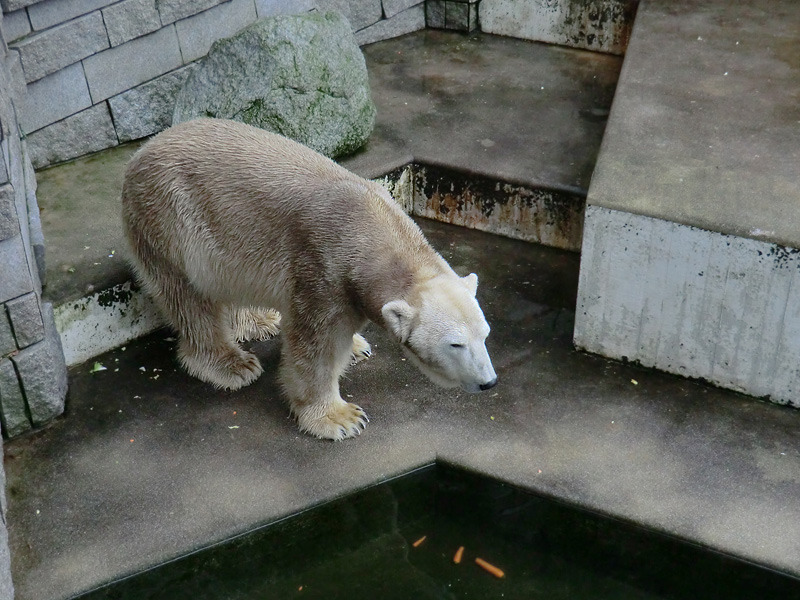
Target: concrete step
pixel 692 236
pixel 489 132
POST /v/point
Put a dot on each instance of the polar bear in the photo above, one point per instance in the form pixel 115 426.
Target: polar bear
pixel 235 231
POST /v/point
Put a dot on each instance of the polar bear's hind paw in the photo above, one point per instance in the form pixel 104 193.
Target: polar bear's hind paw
pixel 361 349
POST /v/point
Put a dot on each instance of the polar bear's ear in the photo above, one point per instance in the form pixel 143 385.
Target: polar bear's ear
pixel 398 315
pixel 471 282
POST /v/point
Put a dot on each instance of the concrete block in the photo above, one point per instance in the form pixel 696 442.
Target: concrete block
pixel 197 33
pixel 15 277
pixel 9 225
pixel 600 25
pixel 460 16
pixel 43 373
pixel 4 177
pixel 392 7
pixel 12 5
pixel 7 342
pixel 173 10
pixel 130 19
pixel 407 21
pixel 55 97
pixel 48 13
pixel 13 412
pixel 48 51
pixel 15 25
pixel 26 320
pixel 270 8
pixel 36 241
pixel 360 13
pixel 124 67
pixel 692 302
pixel 147 109
pixel 435 14
pixel 15 78
pixel 88 131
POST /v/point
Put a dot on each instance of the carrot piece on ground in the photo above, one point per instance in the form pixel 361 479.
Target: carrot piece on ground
pixel 419 541
pixel 490 568
pixel 459 554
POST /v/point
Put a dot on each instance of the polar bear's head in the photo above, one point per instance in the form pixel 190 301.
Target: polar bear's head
pixel 443 332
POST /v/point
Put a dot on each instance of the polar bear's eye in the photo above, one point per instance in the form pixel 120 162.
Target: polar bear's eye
pixel 456 345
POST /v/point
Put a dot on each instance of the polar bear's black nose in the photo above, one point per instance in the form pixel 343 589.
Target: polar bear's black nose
pixel 489 385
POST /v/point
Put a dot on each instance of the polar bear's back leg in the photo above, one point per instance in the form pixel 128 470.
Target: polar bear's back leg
pixel 253 323
pixel 207 349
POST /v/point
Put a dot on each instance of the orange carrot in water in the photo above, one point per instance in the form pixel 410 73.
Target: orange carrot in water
pixel 490 568
pixel 419 541
pixel 459 554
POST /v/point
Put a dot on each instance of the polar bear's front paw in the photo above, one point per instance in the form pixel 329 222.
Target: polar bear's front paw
pixel 256 324
pixel 361 349
pixel 337 422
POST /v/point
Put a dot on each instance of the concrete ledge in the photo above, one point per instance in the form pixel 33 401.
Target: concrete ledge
pixel 693 302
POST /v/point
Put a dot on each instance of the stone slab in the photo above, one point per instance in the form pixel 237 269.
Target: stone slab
pixel 599 25
pixel 360 13
pixel 12 5
pixel 671 454
pixel 9 225
pixel 88 131
pixel 130 19
pixel 15 276
pixel 692 302
pixel 147 109
pixel 43 373
pixel 7 342
pixel 14 412
pixel 26 319
pixel 53 49
pixel 392 7
pixel 174 10
pixel 197 33
pixel 47 13
pixel 15 25
pixel 55 97
pixel 270 8
pixel 124 67
pixel 412 19
pixel 704 131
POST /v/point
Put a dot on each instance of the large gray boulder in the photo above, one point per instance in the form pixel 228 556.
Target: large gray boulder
pixel 302 76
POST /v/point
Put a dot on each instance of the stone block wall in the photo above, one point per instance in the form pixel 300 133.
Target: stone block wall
pixel 97 73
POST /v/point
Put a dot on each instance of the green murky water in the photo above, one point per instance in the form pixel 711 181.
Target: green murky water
pixel 362 547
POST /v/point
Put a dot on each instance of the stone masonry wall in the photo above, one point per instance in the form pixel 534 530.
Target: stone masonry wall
pixel 98 73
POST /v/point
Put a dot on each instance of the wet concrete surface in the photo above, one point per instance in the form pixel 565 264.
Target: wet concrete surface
pixel 506 109
pixel 149 464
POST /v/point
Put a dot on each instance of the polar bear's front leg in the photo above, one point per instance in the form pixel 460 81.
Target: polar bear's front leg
pixel 310 371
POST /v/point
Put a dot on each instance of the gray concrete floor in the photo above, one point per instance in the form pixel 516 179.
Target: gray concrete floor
pixel 149 464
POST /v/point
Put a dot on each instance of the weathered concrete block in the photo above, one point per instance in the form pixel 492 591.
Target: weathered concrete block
pixel 26 320
pixel 43 373
pixel 271 8
pixel 9 225
pixel 7 342
pixel 173 10
pixel 197 33
pixel 435 14
pixel 407 21
pixel 130 19
pixel 12 403
pixel 45 14
pixel 15 277
pixel 16 25
pixel 47 52
pixel 392 7
pixel 55 97
pixel 12 5
pixel 301 76
pixel 147 109
pixel 360 13
pixel 124 67
pixel 36 240
pixel 600 25
pixel 4 177
pixel 88 131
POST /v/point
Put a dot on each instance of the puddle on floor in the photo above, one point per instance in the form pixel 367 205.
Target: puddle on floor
pixel 362 546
